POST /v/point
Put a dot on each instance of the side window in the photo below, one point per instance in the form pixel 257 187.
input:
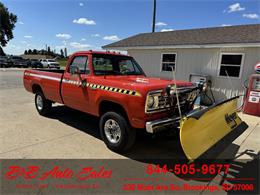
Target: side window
pixel 102 65
pixel 82 63
pixel 168 62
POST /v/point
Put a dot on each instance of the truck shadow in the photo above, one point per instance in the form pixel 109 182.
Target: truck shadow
pixel 163 145
pixel 147 148
pixel 76 119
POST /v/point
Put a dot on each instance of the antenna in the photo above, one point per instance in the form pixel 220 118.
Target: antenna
pixel 229 80
pixel 231 87
pixel 177 96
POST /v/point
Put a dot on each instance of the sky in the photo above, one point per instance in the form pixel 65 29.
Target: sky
pixel 90 24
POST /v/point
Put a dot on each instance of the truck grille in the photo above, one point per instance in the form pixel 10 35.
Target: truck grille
pixel 164 103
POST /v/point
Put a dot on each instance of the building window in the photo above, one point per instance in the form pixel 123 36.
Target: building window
pixel 168 62
pixel 230 65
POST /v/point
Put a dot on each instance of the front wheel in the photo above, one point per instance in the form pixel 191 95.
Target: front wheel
pixel 116 132
pixel 42 105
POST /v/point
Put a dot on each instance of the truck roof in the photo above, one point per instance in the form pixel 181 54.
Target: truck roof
pixel 101 52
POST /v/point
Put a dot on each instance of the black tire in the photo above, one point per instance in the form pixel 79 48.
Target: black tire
pixel 128 133
pixel 46 104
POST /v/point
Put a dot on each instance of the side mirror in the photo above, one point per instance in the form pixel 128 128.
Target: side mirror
pixel 74 70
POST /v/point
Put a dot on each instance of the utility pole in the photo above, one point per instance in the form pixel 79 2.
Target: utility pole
pixel 154 14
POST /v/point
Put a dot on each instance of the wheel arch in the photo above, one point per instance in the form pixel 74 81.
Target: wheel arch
pixel 107 105
pixel 36 88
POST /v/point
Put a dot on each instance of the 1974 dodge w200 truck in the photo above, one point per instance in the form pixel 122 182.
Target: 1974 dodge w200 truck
pixel 113 87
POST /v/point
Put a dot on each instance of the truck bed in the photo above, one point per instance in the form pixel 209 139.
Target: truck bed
pixel 49 82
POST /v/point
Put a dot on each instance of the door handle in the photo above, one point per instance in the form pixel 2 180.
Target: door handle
pixel 84 83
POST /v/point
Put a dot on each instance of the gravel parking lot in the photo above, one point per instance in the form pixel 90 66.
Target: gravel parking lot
pixel 67 133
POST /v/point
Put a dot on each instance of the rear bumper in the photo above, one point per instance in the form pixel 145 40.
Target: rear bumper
pixel 161 124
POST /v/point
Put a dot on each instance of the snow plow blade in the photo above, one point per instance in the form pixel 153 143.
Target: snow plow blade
pixel 203 129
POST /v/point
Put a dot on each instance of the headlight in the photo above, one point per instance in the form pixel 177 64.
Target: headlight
pixel 150 101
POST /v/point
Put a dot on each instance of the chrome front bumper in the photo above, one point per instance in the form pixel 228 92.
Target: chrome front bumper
pixel 161 124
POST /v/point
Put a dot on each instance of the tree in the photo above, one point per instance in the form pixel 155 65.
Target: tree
pixel 62 53
pixel 25 52
pixel 7 24
pixel 29 51
pixel 34 51
pixel 49 50
pixel 1 52
pixel 65 52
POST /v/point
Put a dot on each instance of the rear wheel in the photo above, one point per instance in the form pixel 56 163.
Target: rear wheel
pixel 116 132
pixel 42 105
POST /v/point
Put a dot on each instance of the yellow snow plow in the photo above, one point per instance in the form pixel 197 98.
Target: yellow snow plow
pixel 201 130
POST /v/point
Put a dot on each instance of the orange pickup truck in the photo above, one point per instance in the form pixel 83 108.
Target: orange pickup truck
pixel 113 87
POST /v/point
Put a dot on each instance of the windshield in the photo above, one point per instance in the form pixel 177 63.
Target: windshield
pixel 51 60
pixel 115 65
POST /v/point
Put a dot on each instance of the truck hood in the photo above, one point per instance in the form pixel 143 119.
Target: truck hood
pixel 144 84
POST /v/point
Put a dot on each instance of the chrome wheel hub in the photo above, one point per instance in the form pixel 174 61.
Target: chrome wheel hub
pixel 39 102
pixel 112 131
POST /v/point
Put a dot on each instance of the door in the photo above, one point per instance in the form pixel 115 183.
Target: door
pixel 73 93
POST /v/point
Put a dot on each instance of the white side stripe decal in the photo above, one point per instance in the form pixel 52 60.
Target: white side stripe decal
pixel 43 76
pixel 91 85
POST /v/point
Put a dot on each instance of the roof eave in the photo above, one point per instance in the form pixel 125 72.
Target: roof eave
pixel 234 45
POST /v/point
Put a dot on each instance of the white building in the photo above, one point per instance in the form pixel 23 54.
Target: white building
pixel 226 54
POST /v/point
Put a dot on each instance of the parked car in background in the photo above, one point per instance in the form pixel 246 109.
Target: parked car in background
pixel 4 62
pixel 36 63
pixel 17 61
pixel 50 63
